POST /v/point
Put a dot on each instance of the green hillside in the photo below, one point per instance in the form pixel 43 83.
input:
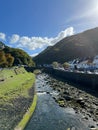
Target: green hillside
pixel 16 94
pixel 14 56
pixel 77 46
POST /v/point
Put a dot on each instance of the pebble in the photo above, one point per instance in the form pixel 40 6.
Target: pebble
pixel 81 101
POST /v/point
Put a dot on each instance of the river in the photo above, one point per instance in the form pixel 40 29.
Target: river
pixel 49 115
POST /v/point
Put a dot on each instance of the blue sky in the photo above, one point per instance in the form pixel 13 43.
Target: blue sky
pixel 35 24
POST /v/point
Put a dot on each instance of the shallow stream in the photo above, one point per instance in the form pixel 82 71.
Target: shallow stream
pixel 49 115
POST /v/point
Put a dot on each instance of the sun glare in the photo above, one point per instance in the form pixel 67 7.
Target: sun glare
pixel 95 7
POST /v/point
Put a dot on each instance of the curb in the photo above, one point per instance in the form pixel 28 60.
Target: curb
pixel 22 124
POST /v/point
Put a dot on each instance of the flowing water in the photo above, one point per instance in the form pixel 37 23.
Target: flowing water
pixel 49 115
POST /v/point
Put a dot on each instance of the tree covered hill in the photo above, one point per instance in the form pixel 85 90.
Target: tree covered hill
pixel 13 56
pixel 77 46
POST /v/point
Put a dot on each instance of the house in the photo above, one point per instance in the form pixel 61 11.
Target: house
pixel 95 61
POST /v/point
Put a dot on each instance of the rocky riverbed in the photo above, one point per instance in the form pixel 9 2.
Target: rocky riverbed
pixel 81 101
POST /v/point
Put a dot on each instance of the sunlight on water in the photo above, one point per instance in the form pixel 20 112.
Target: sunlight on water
pixel 41 93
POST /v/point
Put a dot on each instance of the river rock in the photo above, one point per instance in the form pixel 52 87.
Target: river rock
pixel 66 93
pixel 48 92
pixel 80 100
pixel 85 117
pixel 93 128
pixel 67 98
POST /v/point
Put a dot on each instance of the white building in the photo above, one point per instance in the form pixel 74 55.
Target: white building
pixel 95 61
pixel 83 64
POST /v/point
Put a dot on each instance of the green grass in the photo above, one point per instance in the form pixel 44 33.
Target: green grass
pixel 16 94
pixel 28 115
pixel 15 86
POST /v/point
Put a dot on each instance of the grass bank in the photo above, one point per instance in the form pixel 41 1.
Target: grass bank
pixel 22 124
pixel 16 94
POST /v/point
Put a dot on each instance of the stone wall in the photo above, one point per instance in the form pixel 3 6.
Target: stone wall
pixel 89 80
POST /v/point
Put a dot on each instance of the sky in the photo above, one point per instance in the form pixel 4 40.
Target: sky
pixel 32 25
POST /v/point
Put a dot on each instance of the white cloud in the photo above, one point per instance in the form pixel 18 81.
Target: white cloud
pixel 2 36
pixel 32 43
pixel 67 32
pixel 33 55
pixel 14 38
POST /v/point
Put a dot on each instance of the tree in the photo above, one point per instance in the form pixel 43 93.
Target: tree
pixel 15 56
pixel 66 65
pixel 6 60
pixel 2 58
pixel 9 59
pixel 55 64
